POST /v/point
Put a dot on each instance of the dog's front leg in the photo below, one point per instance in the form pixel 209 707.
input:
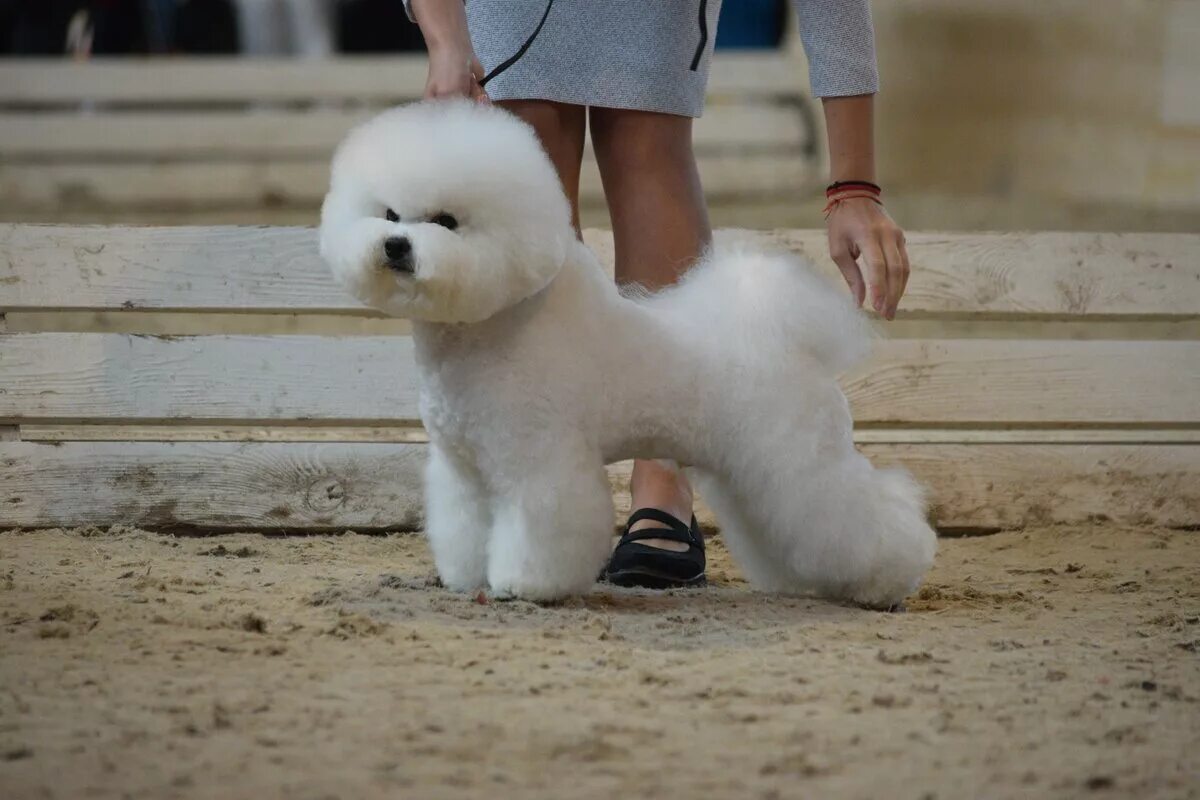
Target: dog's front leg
pixel 553 528
pixel 457 521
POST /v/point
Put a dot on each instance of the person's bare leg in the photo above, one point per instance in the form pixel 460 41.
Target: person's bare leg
pixel 660 227
pixel 561 128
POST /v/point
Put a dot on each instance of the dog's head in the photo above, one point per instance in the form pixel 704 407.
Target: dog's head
pixel 446 211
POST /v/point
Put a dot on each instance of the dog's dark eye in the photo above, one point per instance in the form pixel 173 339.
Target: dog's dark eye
pixel 392 216
pixel 447 221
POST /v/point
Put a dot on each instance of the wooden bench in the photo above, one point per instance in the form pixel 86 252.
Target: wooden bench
pixel 248 139
pixel 1032 378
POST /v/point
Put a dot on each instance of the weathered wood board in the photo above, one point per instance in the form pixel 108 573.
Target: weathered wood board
pixel 318 432
pixel 216 485
pixel 119 376
pixel 227 485
pixel 1061 275
pixel 378 79
pixel 414 433
pixel 273 182
pixel 277 134
pixel 104 377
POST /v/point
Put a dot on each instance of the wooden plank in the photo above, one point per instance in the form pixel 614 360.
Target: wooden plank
pixel 278 135
pixel 218 485
pixel 408 434
pixel 113 376
pixel 1016 485
pixel 373 486
pixel 376 79
pixel 184 268
pixel 174 323
pixel 976 436
pixel 211 80
pixel 273 183
pixel 415 434
pixel 370 380
pixel 1070 275
pixel 988 382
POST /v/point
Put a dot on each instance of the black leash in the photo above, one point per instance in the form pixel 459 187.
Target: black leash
pixel 515 57
pixel 703 35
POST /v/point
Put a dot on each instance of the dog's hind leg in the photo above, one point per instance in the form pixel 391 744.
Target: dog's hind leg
pixel 738 530
pixel 803 511
pixel 457 521
pixel 553 531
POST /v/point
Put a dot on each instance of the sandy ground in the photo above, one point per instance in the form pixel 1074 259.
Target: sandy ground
pixel 1058 662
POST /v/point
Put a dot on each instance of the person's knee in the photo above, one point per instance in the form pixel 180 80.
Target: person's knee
pixel 641 140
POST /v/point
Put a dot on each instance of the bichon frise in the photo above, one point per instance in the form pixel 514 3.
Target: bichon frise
pixel 536 372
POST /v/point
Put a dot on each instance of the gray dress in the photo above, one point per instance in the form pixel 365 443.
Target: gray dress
pixel 651 55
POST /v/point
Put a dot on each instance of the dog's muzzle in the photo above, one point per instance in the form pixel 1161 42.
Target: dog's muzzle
pixel 398 255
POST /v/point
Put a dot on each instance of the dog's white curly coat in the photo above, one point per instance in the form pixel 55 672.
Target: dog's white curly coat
pixel 535 372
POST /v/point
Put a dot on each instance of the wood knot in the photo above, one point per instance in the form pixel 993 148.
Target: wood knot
pixel 325 494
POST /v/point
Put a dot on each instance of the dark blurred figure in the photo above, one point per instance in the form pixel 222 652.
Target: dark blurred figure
pixel 752 24
pixel 286 28
pixel 376 26
pixel 205 27
pixel 118 27
pixel 35 27
pixel 160 24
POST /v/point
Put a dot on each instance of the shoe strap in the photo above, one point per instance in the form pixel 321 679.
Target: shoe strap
pixel 676 530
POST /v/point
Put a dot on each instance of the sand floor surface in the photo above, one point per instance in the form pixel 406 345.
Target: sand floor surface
pixel 1057 662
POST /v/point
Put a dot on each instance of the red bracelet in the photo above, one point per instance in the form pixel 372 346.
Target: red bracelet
pixel 837 193
pixel 838 186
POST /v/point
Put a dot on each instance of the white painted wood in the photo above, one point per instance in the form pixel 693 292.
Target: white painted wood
pixel 373 79
pixel 1067 275
pixel 101 377
pixel 178 135
pixel 332 486
pixel 217 485
pixel 270 182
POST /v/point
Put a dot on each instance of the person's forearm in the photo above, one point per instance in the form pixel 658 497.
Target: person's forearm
pixel 850 129
pixel 443 23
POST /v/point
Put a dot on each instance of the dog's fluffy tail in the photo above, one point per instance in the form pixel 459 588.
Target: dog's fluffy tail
pixel 766 307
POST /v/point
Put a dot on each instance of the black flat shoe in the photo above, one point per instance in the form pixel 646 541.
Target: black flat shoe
pixel 634 564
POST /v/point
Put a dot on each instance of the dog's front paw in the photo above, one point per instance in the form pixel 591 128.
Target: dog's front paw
pixel 523 588
pixel 463 586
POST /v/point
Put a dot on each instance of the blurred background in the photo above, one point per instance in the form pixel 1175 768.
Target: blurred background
pixel 994 114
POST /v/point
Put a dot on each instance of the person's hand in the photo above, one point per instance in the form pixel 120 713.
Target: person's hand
pixel 454 72
pixel 860 229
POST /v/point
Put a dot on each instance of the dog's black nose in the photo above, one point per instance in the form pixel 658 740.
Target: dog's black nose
pixel 398 250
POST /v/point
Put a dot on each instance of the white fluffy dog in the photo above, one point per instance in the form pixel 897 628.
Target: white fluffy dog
pixel 536 372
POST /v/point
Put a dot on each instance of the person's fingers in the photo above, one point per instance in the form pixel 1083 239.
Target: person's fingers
pixel 875 267
pixel 849 267
pixel 478 94
pixel 893 248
